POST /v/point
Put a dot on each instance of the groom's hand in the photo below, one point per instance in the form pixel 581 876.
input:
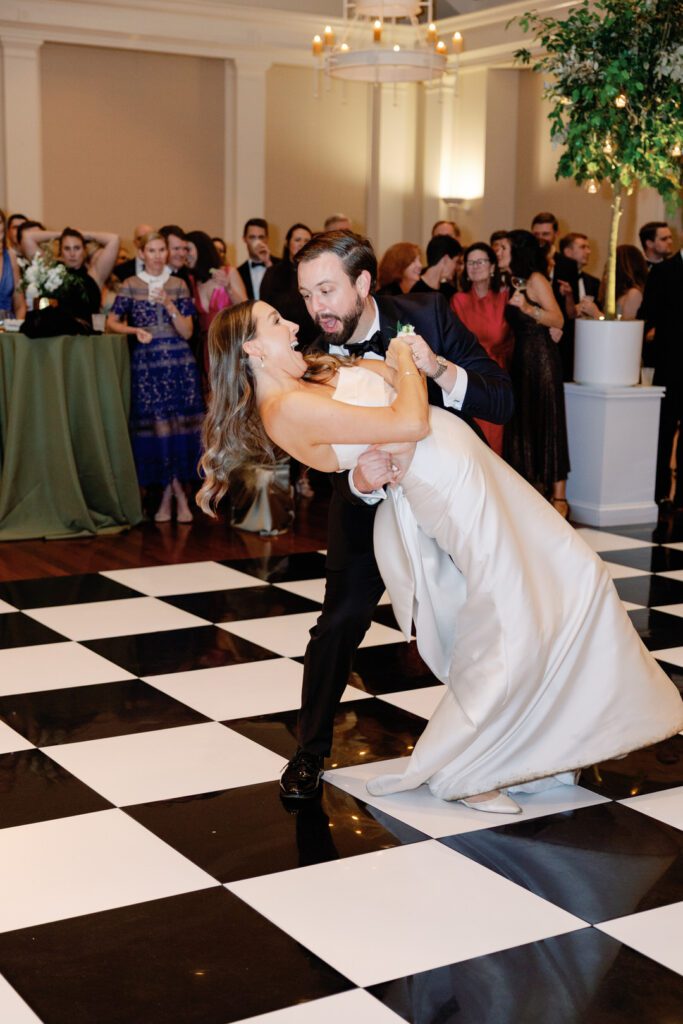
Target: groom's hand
pixel 374 470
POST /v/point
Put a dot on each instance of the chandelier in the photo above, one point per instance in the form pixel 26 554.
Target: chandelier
pixel 377 45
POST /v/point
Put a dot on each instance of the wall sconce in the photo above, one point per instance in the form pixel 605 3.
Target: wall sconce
pixel 465 205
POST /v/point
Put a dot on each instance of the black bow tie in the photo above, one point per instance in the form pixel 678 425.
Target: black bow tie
pixel 254 263
pixel 374 344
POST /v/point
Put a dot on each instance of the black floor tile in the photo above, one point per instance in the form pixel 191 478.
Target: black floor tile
pixel 385 614
pixel 390 668
pixel 650 591
pixel 18 630
pixel 50 591
pixel 246 603
pixel 643 771
pixel 249 831
pixel 199 958
pixel 309 565
pixel 597 863
pixel 364 730
pixel 585 977
pixel 657 630
pixel 655 559
pixel 33 788
pixel 93 712
pixel 177 650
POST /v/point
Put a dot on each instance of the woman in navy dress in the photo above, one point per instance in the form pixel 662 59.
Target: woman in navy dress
pixel 167 409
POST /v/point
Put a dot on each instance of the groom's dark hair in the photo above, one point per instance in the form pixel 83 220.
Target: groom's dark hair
pixel 355 252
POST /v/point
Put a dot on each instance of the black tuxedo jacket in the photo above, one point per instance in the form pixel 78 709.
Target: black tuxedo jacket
pixel 243 271
pixel 125 270
pixel 662 309
pixel 591 284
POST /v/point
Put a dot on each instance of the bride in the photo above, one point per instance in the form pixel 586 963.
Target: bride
pixel 544 672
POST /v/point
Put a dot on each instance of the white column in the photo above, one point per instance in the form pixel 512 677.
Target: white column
pixel 23 142
pixel 248 142
pixel 437 125
pixel 391 207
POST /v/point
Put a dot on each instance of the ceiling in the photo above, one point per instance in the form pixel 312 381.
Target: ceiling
pixel 334 8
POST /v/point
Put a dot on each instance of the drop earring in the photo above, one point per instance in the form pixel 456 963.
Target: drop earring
pixel 263 362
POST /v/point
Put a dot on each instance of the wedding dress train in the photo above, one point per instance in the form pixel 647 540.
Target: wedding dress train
pixel 544 671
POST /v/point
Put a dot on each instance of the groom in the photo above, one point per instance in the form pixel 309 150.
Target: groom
pixel 337 272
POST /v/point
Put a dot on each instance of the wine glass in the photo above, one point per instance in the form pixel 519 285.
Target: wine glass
pixel 518 283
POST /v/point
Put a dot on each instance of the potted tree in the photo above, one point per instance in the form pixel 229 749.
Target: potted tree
pixel 615 86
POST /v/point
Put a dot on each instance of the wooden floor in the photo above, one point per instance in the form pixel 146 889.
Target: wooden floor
pixel 160 544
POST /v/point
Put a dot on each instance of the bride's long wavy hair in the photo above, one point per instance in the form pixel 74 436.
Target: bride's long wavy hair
pixel 233 434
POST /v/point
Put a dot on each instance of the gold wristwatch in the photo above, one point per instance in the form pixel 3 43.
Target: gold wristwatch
pixel 442 367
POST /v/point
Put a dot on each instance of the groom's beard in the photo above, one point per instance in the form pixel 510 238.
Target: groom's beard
pixel 347 324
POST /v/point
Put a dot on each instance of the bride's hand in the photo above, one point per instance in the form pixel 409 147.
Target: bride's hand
pixel 397 347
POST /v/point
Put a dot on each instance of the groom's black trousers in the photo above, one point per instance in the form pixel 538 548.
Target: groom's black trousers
pixel 353 589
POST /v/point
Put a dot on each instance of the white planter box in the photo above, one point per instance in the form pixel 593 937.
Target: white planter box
pixel 613 452
pixel 607 352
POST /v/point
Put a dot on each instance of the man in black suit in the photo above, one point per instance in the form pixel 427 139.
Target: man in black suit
pixel 662 309
pixel 657 242
pixel 337 272
pixel 252 271
pixel 572 287
pixel 131 267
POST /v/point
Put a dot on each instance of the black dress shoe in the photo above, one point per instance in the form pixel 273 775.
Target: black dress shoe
pixel 301 778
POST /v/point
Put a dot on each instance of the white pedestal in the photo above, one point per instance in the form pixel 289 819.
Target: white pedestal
pixel 613 452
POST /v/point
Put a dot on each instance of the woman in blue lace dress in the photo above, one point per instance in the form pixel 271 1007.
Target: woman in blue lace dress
pixel 167 409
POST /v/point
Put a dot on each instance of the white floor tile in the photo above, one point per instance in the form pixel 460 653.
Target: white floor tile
pixel 610 541
pixel 654 933
pixel 419 702
pixel 624 572
pixel 288 635
pixel 670 609
pixel 676 545
pixel 53 667
pixel 439 818
pixel 666 805
pixel 87 863
pixel 168 763
pixel 672 655
pixel 114 618
pixel 4 607
pixel 187 578
pixel 13 1009
pixel 9 742
pixel 314 590
pixel 241 691
pixel 409 909
pixel 355 1006
pixel 672 574
pixel 631 607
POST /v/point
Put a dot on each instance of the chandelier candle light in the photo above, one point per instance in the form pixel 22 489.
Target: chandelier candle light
pixel 375 44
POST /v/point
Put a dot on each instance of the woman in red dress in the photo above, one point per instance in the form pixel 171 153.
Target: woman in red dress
pixel 481 307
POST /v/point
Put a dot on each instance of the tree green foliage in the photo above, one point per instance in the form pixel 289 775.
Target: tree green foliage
pixel 615 84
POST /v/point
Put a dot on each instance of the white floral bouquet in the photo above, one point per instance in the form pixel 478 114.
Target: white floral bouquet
pixel 44 275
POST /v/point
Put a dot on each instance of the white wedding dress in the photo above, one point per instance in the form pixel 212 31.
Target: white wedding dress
pixel 544 671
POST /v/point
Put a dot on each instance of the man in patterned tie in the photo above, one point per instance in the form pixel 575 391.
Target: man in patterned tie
pixel 337 272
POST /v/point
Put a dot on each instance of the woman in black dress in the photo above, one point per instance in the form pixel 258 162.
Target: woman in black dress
pixel 536 436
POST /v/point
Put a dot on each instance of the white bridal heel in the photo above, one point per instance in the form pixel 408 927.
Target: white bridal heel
pixel 501 804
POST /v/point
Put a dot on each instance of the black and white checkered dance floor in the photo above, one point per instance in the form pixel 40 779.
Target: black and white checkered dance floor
pixel 151 874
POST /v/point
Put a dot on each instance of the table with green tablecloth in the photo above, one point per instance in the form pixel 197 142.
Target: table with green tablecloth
pixel 66 465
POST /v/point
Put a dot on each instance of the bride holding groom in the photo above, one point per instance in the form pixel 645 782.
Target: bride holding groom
pixel 544 672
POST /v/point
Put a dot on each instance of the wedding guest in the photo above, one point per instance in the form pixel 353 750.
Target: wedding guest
pixel 176 241
pixel 441 272
pixel 544 228
pixel 656 241
pixel 12 301
pixel 399 269
pixel 13 224
pixel 500 243
pixel 84 296
pixel 481 305
pixel 631 277
pixel 221 249
pixel 446 227
pixel 535 441
pixel 252 271
pixel 155 309
pixel 214 287
pixel 132 266
pixel 572 286
pixel 337 222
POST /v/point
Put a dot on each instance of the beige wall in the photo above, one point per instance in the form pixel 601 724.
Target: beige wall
pixel 130 137
pixel 317 151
